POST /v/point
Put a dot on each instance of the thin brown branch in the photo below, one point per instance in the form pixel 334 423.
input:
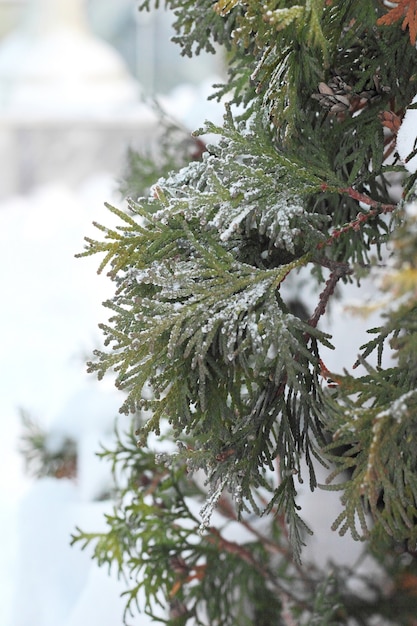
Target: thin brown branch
pixel 338 271
pixel 214 537
pixel 378 208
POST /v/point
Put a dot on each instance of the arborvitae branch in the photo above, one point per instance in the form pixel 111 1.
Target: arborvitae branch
pixel 201 335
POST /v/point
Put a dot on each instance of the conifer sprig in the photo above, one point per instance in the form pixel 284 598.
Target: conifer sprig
pixel 302 175
pixel 212 320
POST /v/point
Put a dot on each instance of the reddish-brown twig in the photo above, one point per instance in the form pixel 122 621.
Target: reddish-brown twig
pixel 378 208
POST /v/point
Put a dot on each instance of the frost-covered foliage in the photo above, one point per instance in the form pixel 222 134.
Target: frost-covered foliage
pixel 243 185
pixel 212 338
pixel 304 175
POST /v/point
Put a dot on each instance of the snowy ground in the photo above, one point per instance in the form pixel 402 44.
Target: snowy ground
pixel 51 305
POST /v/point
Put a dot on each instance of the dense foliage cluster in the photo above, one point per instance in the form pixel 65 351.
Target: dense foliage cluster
pixel 304 176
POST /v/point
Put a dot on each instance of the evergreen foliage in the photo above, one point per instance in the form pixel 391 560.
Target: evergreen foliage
pixel 208 349
pixel 43 456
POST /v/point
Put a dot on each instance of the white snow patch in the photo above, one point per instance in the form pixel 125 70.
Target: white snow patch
pixel 407 138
